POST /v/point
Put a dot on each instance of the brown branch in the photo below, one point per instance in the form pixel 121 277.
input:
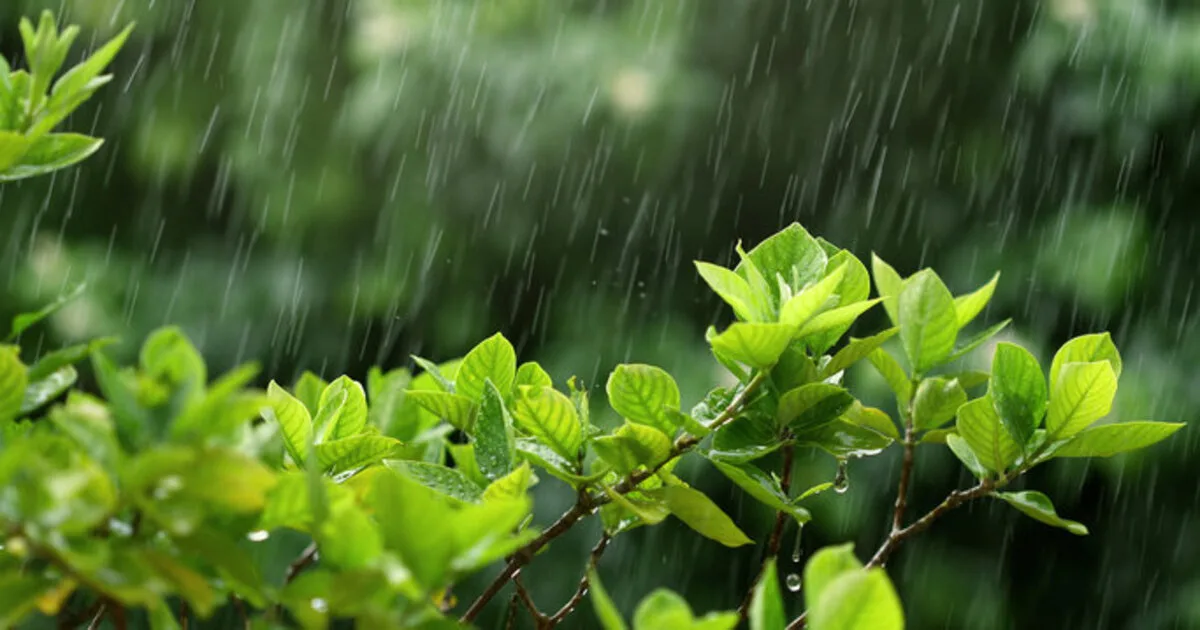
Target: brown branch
pixel 581 591
pixel 776 539
pixel 586 504
pixel 510 621
pixel 306 558
pixel 99 616
pixel 539 619
pixel 910 444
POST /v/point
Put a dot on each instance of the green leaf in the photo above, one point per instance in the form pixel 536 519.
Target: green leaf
pixel 855 351
pixel 548 415
pixel 836 319
pixel 349 539
pixel 606 612
pixel 871 418
pixel 928 324
pixel 14 378
pixel 648 512
pixel 356 451
pixel 893 373
pixel 978 340
pixel 936 402
pixel 858 600
pixel 1107 440
pixel 495 359
pixel 427 550
pixel 980 426
pixel 494 440
pixel 825 566
pixel 744 439
pixel 766 605
pixel 810 406
pixel 294 422
pixel 75 79
pixel 733 289
pixel 792 254
pixel 1086 349
pixel 168 354
pixel 662 610
pixel 794 369
pixel 22 322
pixel 817 298
pixel 541 455
pixel 845 439
pixel 512 485
pixel 701 514
pixel 52 362
pixel 824 331
pixel 435 373
pixel 447 481
pixel 42 391
pixel 308 390
pixel 1018 391
pixel 351 417
pixel 966 307
pixel 1038 506
pixel 530 373
pixel 965 454
pixel 888 284
pixel 756 345
pixel 13 145
pixel 19 596
pixel 644 394
pixel 763 487
pixel 1082 394
pixel 456 409
pixel 633 445
pixel 51 152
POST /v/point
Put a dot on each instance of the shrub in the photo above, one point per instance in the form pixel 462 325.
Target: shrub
pixel 146 499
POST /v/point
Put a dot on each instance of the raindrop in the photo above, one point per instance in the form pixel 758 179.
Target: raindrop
pixel 319 604
pixel 793 582
pixel 796 547
pixel 258 535
pixel 841 481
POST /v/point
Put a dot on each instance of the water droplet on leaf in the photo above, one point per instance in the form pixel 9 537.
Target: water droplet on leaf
pixel 796 546
pixel 258 535
pixel 841 481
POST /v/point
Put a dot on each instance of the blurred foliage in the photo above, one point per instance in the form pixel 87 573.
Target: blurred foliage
pixel 299 182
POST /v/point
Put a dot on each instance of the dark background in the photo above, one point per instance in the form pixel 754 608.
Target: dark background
pixel 332 184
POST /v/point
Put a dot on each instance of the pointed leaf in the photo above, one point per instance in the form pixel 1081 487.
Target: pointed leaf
pixel 809 406
pixel 294 422
pixel 980 426
pixel 456 409
pixel 733 289
pixel 894 374
pixel 512 485
pixel 888 284
pixel 633 445
pixel 756 345
pixel 22 322
pixel 791 253
pixel 936 402
pixel 1038 506
pixel 763 487
pixel 1018 391
pixel 494 440
pixel 855 351
pixel 51 152
pixel 530 373
pixel 435 373
pixel 14 379
pixel 966 307
pixel 815 299
pixel 844 439
pixel 965 454
pixel 744 439
pixel 1107 440
pixel 1082 394
pixel 979 339
pixel 928 324
pixel 836 319
pixel 701 514
pixel 643 394
pixel 308 390
pixel 1086 349
pixel 548 415
pixel 494 359
pixel 356 451
pixel 351 418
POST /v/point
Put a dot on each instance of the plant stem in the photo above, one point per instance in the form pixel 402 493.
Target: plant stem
pixel 539 619
pixel 776 539
pixel 581 591
pixel 586 504
pixel 905 476
pixel 306 558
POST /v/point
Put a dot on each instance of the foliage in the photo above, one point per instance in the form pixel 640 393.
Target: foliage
pixel 147 495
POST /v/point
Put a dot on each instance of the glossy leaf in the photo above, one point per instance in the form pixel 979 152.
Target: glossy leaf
pixel 928 323
pixel 732 288
pixel 633 445
pixel 835 319
pixel 512 485
pixel 936 401
pixel 456 409
pixel 873 419
pixel 980 426
pixel 494 440
pixel 763 487
pixel 756 345
pixel 1107 440
pixel 962 450
pixel 745 439
pixel 855 351
pixel 813 300
pixel 353 452
pixel 977 340
pixel 1038 506
pixel 888 284
pixel 351 417
pixel 446 481
pixel 968 306
pixel 643 394
pixel 49 387
pixel 1018 391
pixel 893 373
pixel 51 152
pixel 792 253
pixel 295 425
pixel 1086 349
pixel 531 373
pixel 810 406
pixel 493 359
pixel 1082 394
pixel 843 439
pixel 24 321
pixel 549 416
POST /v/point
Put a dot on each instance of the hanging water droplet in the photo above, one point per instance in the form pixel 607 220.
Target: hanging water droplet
pixel 796 546
pixel 841 481
pixel 793 582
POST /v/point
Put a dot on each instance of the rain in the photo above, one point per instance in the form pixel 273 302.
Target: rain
pixel 336 185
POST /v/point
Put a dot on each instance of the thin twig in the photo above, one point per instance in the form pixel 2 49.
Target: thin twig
pixel 586 504
pixel 241 608
pixel 98 617
pixel 306 558
pixel 511 618
pixel 776 539
pixel 581 591
pixel 910 444
pixel 183 615
pixel 70 620
pixel 539 619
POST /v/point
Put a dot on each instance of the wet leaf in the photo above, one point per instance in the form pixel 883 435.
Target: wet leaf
pixel 936 401
pixel 810 406
pixel 928 323
pixel 1038 506
pixel 766 605
pixel 494 359
pixel 1110 439
pixel 644 394
pixel 1018 391
pixel 494 440
pixel 293 419
pixel 549 416
pixel 756 345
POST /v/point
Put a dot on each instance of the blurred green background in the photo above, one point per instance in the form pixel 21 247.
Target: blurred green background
pixel 332 184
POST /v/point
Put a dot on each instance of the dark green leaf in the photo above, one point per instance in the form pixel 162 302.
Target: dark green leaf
pixel 493 438
pixel 1018 391
pixel 745 439
pixel 51 362
pixel 844 439
pixel 810 406
pixel 763 487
